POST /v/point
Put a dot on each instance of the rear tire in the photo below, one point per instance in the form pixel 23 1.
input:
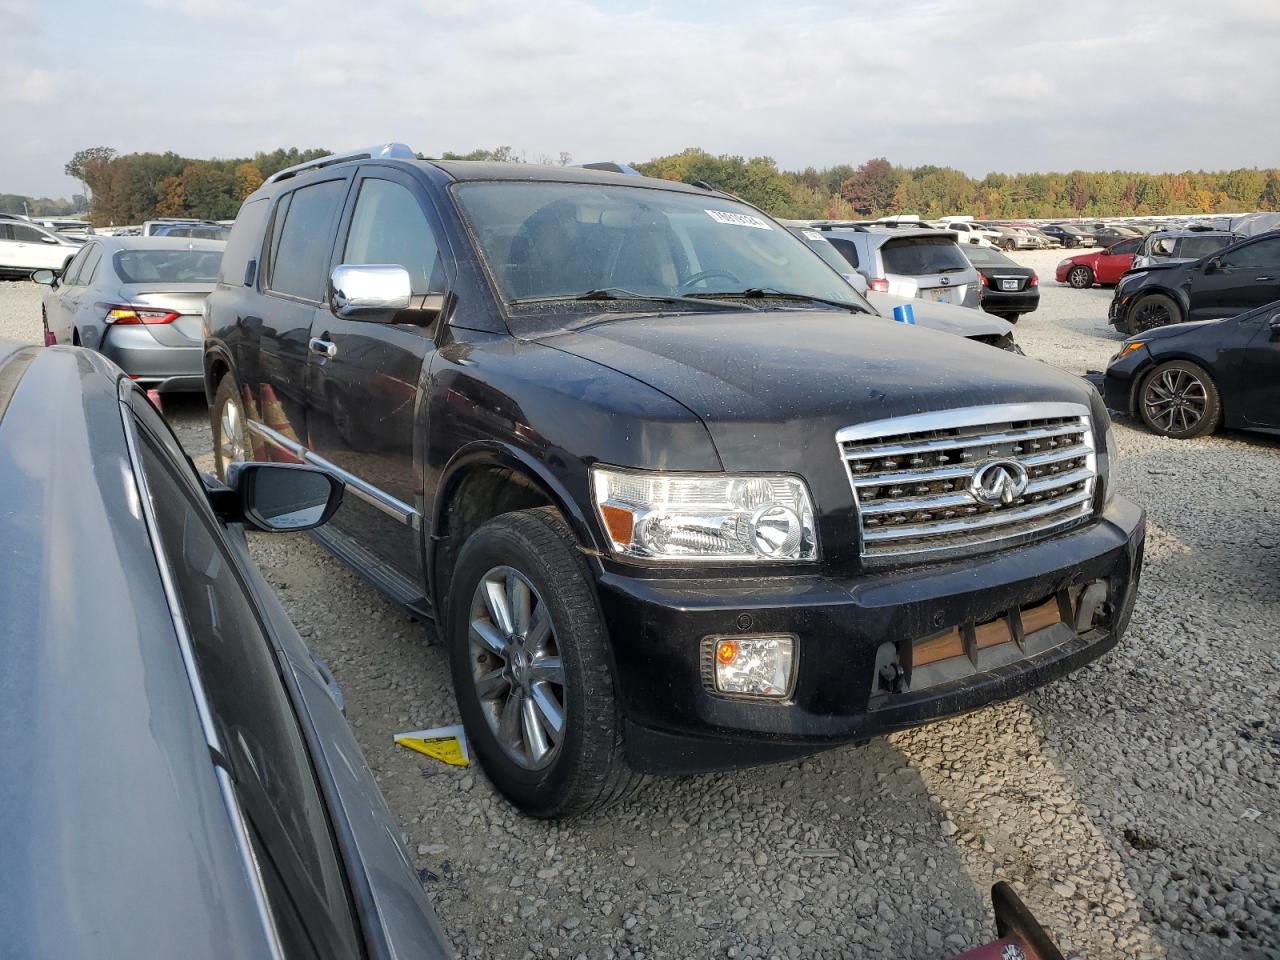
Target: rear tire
pixel 1153 310
pixel 1080 277
pixel 554 638
pixel 1179 400
pixel 229 426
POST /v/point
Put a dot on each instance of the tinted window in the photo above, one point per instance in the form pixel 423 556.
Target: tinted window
pixel 301 261
pixel 847 249
pixel 245 242
pixel 1263 253
pixel 388 226
pixel 168 266
pixel 917 256
pixel 90 268
pixel 986 257
pixel 1196 247
pixel 6 231
pixel 1125 246
pixel 25 234
pixel 253 717
pixel 73 268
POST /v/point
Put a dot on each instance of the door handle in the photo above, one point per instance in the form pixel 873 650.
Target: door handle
pixel 323 347
pixel 1261 279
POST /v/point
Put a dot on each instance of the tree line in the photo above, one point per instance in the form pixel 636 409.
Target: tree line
pixel 133 187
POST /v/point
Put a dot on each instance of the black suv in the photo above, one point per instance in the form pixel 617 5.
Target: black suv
pixel 1237 278
pixel 675 501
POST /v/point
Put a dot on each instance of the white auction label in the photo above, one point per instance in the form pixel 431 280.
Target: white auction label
pixel 738 219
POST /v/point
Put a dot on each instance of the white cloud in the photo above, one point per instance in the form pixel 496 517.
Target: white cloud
pixel 983 87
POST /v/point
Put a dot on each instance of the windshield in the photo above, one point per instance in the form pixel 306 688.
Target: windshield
pixel 167 266
pixel 919 256
pixel 547 241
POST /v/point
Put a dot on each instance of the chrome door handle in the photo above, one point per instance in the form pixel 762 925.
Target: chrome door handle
pixel 323 347
pixel 1260 279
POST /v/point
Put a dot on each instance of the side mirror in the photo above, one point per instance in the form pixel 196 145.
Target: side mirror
pixel 44 239
pixel 46 277
pixel 375 291
pixel 1274 324
pixel 277 496
pixel 1213 266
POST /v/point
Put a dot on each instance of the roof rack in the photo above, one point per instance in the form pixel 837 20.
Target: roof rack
pixel 389 151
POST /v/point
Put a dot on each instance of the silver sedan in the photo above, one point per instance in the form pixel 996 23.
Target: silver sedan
pixel 138 301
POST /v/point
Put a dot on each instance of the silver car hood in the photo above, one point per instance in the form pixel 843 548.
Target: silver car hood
pixel 962 321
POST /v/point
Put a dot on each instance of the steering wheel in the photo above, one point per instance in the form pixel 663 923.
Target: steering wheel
pixel 703 275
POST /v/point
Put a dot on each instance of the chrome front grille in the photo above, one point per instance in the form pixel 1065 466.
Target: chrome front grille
pixel 914 483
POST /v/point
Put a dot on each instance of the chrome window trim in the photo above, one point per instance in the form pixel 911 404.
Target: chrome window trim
pixel 374 496
pixel 235 813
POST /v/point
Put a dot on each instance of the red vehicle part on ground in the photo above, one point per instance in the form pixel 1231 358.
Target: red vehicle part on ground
pixel 1020 936
pixel 1098 266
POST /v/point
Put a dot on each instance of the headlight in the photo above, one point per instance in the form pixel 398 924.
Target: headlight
pixel 704 517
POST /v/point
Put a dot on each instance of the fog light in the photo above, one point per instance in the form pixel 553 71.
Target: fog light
pixel 758 666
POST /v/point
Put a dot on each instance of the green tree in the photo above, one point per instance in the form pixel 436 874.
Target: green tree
pixel 82 161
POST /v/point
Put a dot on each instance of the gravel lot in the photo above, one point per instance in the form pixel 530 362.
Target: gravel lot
pixel 1135 805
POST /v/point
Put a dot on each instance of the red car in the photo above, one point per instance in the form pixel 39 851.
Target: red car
pixel 1098 266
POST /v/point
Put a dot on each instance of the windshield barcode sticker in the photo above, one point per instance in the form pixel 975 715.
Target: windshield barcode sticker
pixel 738 219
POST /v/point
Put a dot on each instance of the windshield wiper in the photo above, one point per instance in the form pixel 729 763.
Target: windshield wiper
pixel 618 293
pixel 771 293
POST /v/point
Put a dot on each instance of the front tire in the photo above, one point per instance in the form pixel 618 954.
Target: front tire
pixel 530 670
pixel 1179 400
pixel 1080 277
pixel 1153 310
pixel 229 426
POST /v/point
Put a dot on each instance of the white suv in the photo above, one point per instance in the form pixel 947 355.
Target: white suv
pixel 25 248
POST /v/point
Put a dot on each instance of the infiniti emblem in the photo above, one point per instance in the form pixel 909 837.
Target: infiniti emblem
pixel 998 481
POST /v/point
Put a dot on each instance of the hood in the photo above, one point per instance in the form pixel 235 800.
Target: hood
pixel 774 386
pixel 960 321
pixel 1176 329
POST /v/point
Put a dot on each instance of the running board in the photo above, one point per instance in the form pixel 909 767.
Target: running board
pixel 387 579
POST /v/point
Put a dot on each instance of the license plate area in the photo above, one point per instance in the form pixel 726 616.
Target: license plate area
pixel 1008 284
pixel 938 294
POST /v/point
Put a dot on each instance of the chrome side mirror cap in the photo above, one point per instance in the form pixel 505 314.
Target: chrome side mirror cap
pixel 374 291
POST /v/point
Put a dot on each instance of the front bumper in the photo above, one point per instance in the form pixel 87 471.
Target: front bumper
pixel 676 724
pixel 1117 384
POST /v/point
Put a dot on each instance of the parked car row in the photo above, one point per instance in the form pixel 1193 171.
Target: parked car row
pixel 26 247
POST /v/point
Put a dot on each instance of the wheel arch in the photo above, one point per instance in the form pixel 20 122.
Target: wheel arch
pixel 1140 376
pixel 501 478
pixel 217 364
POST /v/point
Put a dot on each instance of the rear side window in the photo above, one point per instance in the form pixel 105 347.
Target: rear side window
pixel 300 262
pixel 72 269
pixel 919 256
pixel 24 234
pixel 848 249
pixel 1193 248
pixel 245 243
pixel 270 765
pixel 89 268
pixel 1125 246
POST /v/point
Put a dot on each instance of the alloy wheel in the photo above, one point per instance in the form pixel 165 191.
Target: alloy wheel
pixel 1079 277
pixel 1175 401
pixel 1150 314
pixel 231 447
pixel 516 667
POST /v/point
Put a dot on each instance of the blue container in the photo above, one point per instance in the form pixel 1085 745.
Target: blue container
pixel 904 314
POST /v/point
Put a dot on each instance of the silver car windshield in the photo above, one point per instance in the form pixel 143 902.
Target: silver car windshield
pixel 559 241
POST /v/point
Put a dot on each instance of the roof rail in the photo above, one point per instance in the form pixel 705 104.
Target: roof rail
pixel 612 166
pixel 392 151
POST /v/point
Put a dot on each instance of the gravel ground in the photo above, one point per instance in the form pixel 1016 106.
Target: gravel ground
pixel 1135 805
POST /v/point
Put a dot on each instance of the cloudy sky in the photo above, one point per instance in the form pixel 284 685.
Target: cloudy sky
pixel 1180 84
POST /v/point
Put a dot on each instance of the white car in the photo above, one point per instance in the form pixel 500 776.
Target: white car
pixel 971 232
pixel 25 248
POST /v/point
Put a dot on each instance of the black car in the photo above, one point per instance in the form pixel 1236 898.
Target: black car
pixel 1237 278
pixel 1068 234
pixel 670 509
pixel 1189 379
pixel 1008 289
pixel 179 780
pixel 1104 236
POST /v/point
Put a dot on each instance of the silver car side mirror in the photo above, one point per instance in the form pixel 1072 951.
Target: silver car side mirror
pixel 373 291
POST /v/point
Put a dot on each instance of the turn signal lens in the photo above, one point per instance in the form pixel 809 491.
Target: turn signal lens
pixel 1129 348
pixel 620 523
pixel 726 652
pixel 880 285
